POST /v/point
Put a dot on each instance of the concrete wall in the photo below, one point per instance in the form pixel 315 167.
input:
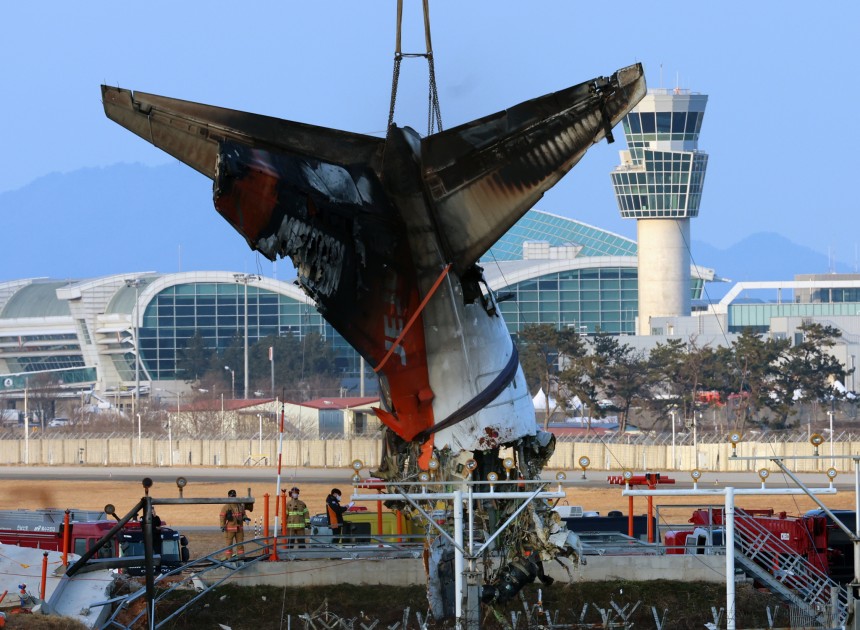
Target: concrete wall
pixel 126 451
pixel 364 572
pixel 641 568
pixel 407 572
pixel 706 457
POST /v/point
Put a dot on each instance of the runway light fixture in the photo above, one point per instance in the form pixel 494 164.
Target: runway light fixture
pixel 508 464
pixel 584 463
pixel 816 439
pixel 735 439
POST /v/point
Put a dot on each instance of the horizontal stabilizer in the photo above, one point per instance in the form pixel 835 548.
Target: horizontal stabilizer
pixel 484 175
pixel 191 132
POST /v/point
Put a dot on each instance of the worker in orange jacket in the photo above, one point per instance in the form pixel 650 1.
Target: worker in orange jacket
pixel 335 512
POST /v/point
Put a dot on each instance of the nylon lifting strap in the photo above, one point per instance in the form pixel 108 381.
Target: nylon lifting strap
pixel 481 400
pixel 434 113
pixel 413 318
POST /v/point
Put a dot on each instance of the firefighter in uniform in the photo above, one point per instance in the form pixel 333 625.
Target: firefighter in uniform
pixel 232 524
pixel 298 520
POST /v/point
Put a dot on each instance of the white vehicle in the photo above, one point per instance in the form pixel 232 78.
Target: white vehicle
pixel 11 417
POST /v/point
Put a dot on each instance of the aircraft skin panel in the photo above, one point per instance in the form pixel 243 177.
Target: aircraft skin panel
pixel 500 166
pixel 462 363
pixel 186 143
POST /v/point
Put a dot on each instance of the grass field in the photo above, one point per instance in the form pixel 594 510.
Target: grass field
pixel 93 495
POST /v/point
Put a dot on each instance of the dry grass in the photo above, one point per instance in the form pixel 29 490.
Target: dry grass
pixel 124 495
pixel 267 608
pixel 42 622
pixel 94 495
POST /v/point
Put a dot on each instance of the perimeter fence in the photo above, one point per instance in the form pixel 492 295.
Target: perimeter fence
pixel 705 451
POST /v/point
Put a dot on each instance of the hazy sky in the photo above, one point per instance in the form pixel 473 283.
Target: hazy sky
pixel 780 76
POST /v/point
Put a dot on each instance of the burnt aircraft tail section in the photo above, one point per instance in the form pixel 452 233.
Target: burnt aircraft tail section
pixel 385 233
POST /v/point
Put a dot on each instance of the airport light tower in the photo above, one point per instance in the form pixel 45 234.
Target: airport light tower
pixel 659 183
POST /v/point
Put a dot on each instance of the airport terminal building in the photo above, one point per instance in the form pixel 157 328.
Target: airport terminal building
pixel 82 335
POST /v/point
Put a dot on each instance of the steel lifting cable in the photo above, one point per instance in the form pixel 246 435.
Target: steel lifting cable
pixel 434 112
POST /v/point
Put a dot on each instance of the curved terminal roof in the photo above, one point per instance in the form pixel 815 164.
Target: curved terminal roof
pixel 122 302
pixel 123 299
pixel 37 299
pixel 558 231
pixel 508 273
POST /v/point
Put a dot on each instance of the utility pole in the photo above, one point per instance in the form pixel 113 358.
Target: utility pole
pixel 136 284
pixel 245 278
pixel 232 385
pixel 272 362
pixel 169 424
pixel 26 420
pixel 852 374
pixel 674 461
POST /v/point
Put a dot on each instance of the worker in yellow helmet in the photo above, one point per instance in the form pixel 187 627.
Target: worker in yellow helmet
pixel 298 520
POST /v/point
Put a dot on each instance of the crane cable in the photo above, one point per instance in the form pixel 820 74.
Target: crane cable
pixel 434 113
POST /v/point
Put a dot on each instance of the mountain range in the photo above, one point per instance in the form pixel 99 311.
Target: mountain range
pixel 129 217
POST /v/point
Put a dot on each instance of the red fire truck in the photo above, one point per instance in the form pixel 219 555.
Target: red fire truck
pixel 806 535
pixel 43 529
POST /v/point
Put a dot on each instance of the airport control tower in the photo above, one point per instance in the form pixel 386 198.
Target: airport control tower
pixel 659 183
